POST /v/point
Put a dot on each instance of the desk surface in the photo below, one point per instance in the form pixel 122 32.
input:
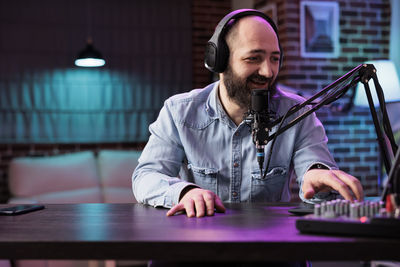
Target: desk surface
pixel 253 232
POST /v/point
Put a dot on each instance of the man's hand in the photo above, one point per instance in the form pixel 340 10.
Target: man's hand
pixel 317 180
pixel 198 202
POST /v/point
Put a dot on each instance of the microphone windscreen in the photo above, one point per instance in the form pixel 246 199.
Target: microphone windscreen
pixel 259 100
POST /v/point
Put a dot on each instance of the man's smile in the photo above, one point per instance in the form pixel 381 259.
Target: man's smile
pixel 258 84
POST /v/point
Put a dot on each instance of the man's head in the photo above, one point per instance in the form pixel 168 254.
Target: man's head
pixel 253 59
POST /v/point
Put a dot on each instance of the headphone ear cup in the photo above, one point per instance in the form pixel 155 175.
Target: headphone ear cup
pixel 222 56
pixel 216 56
pixel 210 58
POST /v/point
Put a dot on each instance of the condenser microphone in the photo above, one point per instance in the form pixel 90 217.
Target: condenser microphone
pixel 260 114
pixel 260 100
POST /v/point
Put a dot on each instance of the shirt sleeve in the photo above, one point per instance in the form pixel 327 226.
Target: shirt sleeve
pixel 310 149
pixel 155 180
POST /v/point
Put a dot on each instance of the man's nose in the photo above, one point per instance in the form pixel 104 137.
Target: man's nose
pixel 265 69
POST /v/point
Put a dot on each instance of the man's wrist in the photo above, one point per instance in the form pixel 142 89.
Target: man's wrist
pixel 185 190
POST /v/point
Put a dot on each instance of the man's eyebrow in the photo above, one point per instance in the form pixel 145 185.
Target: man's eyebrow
pixel 261 51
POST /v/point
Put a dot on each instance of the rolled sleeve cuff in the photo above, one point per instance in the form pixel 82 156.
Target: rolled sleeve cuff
pixel 173 193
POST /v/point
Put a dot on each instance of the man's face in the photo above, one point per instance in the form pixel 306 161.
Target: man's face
pixel 254 59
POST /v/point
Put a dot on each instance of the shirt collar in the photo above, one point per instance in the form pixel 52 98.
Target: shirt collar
pixel 215 109
pixel 211 104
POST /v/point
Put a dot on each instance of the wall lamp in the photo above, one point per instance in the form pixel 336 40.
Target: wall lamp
pixel 388 79
pixel 89 56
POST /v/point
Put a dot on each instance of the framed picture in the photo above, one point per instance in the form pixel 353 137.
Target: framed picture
pixel 319 29
pixel 270 11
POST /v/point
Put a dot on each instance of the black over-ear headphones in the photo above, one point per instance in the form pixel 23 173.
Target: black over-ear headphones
pixel 217 51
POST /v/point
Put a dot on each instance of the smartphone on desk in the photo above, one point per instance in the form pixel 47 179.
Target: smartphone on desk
pixel 20 209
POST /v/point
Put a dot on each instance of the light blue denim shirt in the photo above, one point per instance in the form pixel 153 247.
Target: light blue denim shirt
pixel 193 141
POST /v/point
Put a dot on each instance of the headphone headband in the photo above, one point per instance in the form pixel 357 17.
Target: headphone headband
pixel 217 51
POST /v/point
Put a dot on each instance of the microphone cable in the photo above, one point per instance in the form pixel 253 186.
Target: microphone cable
pixel 276 135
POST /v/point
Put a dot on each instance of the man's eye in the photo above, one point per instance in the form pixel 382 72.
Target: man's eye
pixel 253 58
pixel 275 59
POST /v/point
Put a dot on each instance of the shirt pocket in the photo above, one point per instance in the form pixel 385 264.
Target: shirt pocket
pixel 204 177
pixel 268 189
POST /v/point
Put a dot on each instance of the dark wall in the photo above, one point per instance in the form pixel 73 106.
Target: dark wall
pixel 46 99
pixel 48 106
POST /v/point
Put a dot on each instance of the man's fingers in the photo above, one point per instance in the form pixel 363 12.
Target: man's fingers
pixel 209 200
pixel 189 207
pixel 198 202
pixel 335 183
pixel 200 206
pixel 320 180
pixel 218 204
pixel 353 183
pixel 175 209
pixel 309 192
pixel 309 189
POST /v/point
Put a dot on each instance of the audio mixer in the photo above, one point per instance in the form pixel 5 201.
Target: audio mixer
pixel 342 217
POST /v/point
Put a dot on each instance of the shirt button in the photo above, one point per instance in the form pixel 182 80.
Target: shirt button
pixel 234 194
pixel 235 164
pixel 236 134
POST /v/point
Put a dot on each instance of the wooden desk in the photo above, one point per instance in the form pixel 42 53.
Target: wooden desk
pixel 253 232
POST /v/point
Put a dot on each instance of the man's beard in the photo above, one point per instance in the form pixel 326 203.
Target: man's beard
pixel 239 90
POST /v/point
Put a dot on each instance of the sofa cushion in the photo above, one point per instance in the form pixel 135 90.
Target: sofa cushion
pixel 33 176
pixel 116 168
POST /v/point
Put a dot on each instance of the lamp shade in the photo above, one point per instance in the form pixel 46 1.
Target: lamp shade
pixel 388 79
pixel 90 57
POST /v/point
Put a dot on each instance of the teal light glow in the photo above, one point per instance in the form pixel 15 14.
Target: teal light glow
pixel 90 62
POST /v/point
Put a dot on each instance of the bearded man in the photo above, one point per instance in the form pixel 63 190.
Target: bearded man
pixel 200 153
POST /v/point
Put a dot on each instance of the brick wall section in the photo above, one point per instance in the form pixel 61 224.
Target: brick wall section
pixel 364 35
pixel 352 141
pixel 206 15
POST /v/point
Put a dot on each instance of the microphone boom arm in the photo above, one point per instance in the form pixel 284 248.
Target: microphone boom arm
pixel 362 73
pixel 320 104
